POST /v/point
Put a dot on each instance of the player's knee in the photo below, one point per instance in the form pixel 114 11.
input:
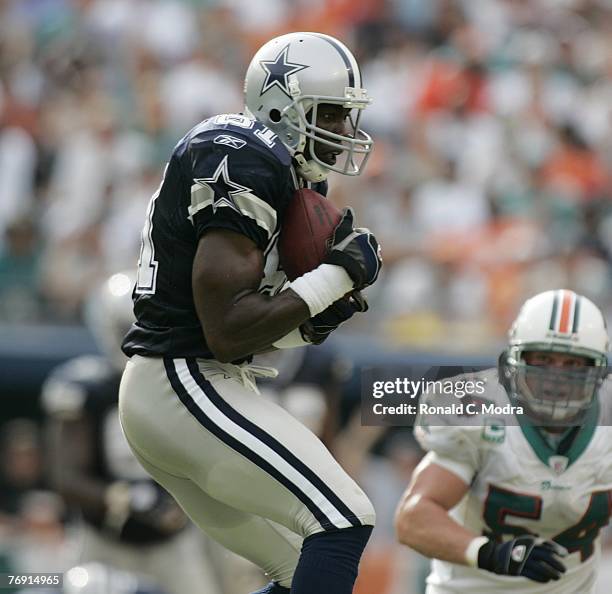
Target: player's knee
pixel 368 513
pixel 363 509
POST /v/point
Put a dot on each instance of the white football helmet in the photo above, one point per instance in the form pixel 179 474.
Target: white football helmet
pixel 286 81
pixel 109 315
pixel 557 322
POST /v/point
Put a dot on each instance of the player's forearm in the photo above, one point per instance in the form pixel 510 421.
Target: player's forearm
pixel 425 526
pixel 254 323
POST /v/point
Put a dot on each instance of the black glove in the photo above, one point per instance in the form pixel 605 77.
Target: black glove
pixel 527 555
pixel 319 327
pixel 356 250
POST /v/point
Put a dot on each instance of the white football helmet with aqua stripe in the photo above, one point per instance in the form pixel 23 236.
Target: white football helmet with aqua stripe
pixel 556 322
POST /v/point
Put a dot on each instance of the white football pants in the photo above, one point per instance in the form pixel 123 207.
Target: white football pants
pixel 245 471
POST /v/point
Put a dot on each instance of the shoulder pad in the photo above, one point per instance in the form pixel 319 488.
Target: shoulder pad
pixel 237 131
pixel 65 391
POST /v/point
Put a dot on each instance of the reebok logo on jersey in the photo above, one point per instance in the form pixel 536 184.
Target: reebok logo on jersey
pixel 228 140
pixel 518 553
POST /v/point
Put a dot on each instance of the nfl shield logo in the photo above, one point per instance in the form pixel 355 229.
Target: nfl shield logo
pixel 558 464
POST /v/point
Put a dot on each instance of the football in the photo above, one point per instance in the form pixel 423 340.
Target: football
pixel 310 220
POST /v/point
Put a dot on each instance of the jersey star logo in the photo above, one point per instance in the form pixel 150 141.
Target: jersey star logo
pixel 223 188
pixel 278 72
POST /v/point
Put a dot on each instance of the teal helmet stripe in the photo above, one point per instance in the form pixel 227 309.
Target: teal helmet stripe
pixel 553 315
pixel 576 315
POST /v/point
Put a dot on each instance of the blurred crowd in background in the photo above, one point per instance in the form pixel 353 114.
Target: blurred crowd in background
pixel 489 181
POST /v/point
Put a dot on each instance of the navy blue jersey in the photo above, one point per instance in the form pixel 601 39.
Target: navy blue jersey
pixel 87 389
pixel 229 172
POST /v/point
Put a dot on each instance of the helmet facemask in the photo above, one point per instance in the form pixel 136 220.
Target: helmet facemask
pixel 557 358
pixel 552 396
pixel 353 148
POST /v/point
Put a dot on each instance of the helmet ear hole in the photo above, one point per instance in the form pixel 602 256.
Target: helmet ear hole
pixel 275 115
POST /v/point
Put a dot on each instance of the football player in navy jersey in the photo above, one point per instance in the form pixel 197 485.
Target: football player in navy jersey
pixel 210 294
pixel 129 521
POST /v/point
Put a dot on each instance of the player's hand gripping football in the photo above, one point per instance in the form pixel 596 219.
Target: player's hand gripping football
pixel 356 250
pixel 318 328
pixel 526 555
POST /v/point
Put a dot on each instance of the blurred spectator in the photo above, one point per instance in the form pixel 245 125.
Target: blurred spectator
pixel 574 168
pixel 186 93
pixel 19 273
pixel 445 205
pixel 31 532
pixel 21 465
pixel 17 165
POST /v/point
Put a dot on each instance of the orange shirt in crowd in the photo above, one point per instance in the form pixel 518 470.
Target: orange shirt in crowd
pixel 579 169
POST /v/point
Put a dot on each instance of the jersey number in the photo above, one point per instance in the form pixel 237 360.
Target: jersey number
pixel 501 503
pixel 146 280
pixel 234 119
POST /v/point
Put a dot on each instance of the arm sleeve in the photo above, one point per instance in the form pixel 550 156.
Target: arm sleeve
pixel 463 470
pixel 241 190
pixel 453 448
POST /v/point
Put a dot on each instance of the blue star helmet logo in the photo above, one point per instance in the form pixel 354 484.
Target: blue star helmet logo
pixel 223 188
pixel 278 72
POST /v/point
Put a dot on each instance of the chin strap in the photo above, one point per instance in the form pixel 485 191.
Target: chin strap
pixel 310 170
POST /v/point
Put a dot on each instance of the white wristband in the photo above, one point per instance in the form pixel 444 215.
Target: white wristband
pixel 322 286
pixel 471 553
pixel 290 341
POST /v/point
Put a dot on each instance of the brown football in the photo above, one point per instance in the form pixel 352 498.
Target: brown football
pixel 309 222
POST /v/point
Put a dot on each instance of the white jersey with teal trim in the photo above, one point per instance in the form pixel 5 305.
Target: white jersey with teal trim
pixel 519 484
